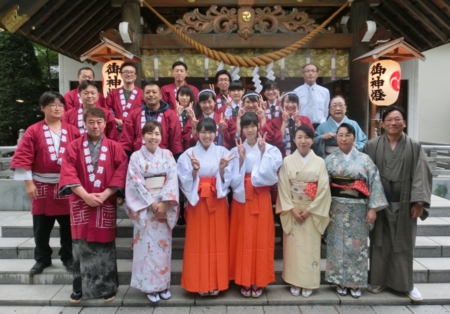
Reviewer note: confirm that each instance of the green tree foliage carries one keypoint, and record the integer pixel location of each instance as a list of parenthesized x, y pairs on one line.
[(48, 62), (20, 79)]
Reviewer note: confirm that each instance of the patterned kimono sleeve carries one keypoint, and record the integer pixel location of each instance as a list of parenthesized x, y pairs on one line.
[(377, 198), (284, 199), (137, 196), (169, 191), (320, 206)]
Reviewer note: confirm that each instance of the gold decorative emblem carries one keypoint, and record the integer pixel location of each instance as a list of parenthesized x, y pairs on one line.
[(12, 20), (246, 16)]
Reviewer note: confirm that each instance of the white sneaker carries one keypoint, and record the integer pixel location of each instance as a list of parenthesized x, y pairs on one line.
[(153, 297), (415, 295), (165, 295)]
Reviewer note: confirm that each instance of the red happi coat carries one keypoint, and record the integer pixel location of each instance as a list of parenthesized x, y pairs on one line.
[(186, 132), (73, 117), (169, 94), (228, 134), (131, 139), (95, 224), (37, 153), (273, 130), (121, 108), (277, 112), (72, 99)]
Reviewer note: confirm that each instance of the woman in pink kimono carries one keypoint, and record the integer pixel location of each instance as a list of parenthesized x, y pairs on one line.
[(152, 205)]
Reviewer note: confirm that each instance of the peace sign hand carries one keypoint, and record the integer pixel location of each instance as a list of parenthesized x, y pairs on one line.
[(285, 115), (262, 143), (222, 123), (260, 111), (224, 162), (262, 103), (211, 87), (297, 117), (194, 161), (240, 150), (179, 109)]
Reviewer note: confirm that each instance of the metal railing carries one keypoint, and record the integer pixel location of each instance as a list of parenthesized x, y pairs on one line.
[(4, 150), (438, 158)]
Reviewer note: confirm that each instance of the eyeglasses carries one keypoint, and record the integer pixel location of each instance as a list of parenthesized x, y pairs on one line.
[(128, 72), (53, 106), (341, 136), (309, 71), (339, 105), (223, 80), (390, 120)]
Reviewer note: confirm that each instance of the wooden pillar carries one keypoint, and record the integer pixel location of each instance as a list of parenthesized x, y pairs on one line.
[(359, 96), (131, 13)]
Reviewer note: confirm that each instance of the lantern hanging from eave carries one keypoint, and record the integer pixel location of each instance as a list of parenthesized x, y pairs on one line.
[(111, 78), (384, 82)]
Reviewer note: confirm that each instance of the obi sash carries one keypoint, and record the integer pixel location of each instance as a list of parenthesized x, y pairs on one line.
[(349, 188), (155, 184), (250, 191), (207, 190), (303, 191)]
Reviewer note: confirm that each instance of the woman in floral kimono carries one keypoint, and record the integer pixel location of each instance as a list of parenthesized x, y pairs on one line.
[(152, 205), (357, 196), (303, 204), (205, 173)]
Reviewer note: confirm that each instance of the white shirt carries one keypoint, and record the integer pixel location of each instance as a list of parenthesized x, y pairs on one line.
[(321, 102)]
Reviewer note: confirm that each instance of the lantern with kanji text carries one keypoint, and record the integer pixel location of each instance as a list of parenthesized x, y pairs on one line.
[(384, 82)]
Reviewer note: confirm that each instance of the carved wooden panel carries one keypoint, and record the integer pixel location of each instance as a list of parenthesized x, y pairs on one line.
[(225, 21)]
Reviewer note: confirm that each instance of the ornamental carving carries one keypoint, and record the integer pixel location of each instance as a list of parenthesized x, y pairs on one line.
[(225, 21)]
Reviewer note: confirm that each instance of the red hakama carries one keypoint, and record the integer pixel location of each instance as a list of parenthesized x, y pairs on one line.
[(72, 99), (205, 261), (252, 237)]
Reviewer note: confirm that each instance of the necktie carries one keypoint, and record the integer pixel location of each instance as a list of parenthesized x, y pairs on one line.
[(272, 111), (184, 116), (235, 111)]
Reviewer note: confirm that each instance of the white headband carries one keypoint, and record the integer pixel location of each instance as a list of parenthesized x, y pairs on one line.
[(206, 90), (288, 93), (250, 94)]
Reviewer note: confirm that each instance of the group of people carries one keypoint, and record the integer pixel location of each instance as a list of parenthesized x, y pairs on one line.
[(219, 161)]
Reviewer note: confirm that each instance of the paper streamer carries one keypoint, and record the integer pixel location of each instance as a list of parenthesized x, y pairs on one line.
[(256, 80), (308, 56), (234, 75), (269, 72), (282, 75), (181, 55), (220, 67), (155, 65), (333, 64)]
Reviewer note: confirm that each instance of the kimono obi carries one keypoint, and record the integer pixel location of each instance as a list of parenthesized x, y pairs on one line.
[(349, 188), (155, 184), (303, 191), (330, 149), (250, 190), (207, 190), (51, 178)]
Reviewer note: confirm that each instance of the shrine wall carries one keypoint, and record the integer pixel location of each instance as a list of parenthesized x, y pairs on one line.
[(68, 70), (433, 97)]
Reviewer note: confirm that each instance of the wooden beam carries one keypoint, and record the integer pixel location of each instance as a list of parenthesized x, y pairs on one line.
[(358, 71), (75, 29), (41, 14), (400, 15), (222, 41), (432, 9), (234, 3), (409, 36), (63, 13), (93, 29), (394, 32), (80, 14), (424, 20)]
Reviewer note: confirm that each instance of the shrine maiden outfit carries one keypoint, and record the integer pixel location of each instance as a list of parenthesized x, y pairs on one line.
[(205, 261), (303, 184), (355, 188), (151, 178), (38, 157), (252, 230), (96, 168), (131, 139)]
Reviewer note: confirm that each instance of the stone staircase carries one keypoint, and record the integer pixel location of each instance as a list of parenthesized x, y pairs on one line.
[(53, 287)]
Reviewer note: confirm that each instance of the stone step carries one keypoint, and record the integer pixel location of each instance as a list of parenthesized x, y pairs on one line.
[(23, 248), (22, 227), (57, 295), (16, 271)]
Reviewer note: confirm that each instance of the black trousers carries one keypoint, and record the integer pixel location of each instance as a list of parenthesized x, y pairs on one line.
[(42, 226)]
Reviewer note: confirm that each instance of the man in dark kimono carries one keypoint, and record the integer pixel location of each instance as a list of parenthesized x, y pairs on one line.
[(406, 179), (94, 169)]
